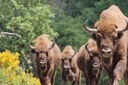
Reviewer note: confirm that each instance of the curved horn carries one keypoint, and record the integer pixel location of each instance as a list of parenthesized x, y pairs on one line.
[(51, 46), (86, 47), (74, 52), (124, 29), (32, 47), (89, 29)]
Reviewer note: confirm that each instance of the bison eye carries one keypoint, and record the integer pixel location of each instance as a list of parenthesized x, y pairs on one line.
[(114, 39), (98, 37), (62, 60), (46, 53), (70, 60)]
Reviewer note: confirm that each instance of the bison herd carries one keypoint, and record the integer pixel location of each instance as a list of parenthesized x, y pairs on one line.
[(107, 48)]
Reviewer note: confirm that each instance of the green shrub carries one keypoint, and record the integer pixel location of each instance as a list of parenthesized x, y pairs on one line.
[(11, 73)]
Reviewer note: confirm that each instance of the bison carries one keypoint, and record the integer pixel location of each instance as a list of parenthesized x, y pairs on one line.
[(47, 57), (111, 35), (89, 62), (69, 67)]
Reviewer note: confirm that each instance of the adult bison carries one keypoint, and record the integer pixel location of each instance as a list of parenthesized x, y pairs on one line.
[(69, 67), (89, 62), (47, 57), (111, 35)]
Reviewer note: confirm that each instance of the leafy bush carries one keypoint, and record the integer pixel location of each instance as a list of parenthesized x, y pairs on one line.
[(11, 73)]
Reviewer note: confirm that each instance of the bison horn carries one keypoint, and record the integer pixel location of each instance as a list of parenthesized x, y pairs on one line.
[(53, 44), (74, 52), (89, 29), (32, 47), (86, 47), (124, 29)]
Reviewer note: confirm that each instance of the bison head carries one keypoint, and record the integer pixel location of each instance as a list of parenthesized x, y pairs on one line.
[(67, 62), (106, 35), (94, 58), (42, 56)]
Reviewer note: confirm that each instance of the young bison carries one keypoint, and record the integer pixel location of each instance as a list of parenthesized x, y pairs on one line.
[(89, 62), (47, 57), (70, 70)]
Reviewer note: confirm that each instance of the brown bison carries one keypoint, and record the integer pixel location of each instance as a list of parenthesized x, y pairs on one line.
[(69, 67), (89, 62), (47, 57), (111, 35)]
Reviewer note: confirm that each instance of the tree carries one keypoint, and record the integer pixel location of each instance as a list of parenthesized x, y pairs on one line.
[(26, 18)]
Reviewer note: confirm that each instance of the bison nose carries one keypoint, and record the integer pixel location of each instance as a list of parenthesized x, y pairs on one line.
[(42, 62), (106, 50), (66, 67), (95, 65)]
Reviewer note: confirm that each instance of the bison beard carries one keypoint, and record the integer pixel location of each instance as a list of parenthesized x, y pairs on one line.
[(43, 65), (95, 70)]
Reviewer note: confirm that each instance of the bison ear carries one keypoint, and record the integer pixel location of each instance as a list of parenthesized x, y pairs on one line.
[(97, 37), (32, 51), (93, 35)]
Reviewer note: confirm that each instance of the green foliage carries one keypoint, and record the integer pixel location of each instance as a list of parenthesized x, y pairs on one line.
[(11, 73), (69, 32), (17, 77), (28, 20)]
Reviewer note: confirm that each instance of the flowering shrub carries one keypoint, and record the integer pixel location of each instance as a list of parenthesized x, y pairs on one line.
[(11, 73), (8, 59)]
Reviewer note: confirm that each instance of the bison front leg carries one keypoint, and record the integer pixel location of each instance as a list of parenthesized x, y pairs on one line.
[(64, 82), (74, 83), (48, 81), (50, 75), (119, 71), (43, 81), (64, 79), (116, 82), (53, 77), (79, 78), (74, 79)]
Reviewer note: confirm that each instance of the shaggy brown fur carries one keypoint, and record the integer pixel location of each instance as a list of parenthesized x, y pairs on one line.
[(47, 57), (113, 44), (70, 70), (89, 62)]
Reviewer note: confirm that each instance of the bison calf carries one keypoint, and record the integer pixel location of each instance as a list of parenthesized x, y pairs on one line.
[(89, 62), (47, 57), (70, 70)]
